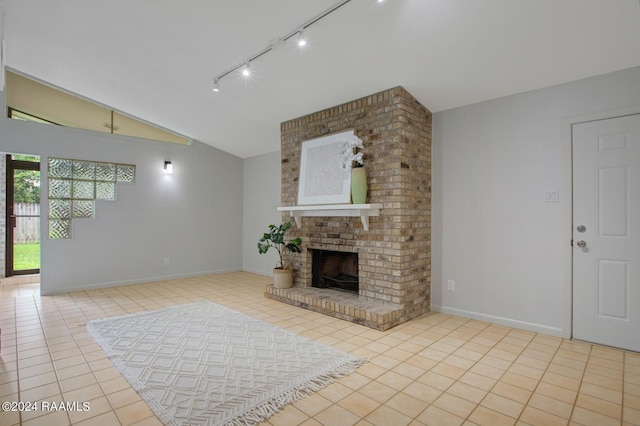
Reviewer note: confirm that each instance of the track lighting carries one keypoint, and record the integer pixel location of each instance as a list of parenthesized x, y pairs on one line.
[(297, 32)]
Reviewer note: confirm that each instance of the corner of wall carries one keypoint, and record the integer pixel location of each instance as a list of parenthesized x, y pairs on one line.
[(3, 213)]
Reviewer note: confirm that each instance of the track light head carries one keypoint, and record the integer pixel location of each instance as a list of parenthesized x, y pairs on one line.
[(298, 32), (301, 40)]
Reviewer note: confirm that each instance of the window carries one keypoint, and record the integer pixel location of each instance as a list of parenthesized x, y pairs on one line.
[(19, 115), (74, 187), (30, 100)]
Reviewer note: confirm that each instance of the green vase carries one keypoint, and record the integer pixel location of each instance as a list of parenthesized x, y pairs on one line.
[(359, 185)]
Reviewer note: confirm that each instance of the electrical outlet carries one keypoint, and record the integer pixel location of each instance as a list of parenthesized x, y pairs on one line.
[(451, 285), (167, 261)]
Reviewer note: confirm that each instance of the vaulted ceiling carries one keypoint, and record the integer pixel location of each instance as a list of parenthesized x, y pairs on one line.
[(156, 59)]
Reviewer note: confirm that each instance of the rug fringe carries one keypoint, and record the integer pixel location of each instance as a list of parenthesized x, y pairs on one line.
[(329, 370), (276, 404)]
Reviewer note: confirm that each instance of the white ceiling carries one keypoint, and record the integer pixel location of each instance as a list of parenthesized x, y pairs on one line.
[(156, 59)]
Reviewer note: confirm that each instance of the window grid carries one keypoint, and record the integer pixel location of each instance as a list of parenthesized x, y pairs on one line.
[(74, 185)]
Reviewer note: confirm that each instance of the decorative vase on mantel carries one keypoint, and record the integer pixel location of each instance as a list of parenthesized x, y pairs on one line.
[(359, 185)]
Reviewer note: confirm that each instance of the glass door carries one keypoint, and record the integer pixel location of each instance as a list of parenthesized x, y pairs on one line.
[(23, 215)]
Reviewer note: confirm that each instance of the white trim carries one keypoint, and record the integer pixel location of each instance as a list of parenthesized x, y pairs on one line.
[(567, 214), (364, 211), (268, 273), (507, 322), (95, 286)]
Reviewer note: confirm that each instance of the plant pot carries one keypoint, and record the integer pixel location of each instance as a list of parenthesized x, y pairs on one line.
[(283, 278), (359, 185)]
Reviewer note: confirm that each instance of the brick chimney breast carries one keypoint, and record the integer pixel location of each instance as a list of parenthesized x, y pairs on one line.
[(394, 255)]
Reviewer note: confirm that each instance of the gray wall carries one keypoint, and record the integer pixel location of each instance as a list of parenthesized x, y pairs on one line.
[(261, 197), (508, 251), (193, 217)]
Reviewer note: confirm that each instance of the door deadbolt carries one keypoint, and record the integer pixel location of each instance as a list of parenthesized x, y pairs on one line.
[(581, 228)]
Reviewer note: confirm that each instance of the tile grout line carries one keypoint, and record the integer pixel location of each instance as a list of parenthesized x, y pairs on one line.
[(15, 322), (448, 355), (497, 380), (84, 355), (624, 381), (530, 352), (467, 370), (46, 342), (573, 406), (624, 360), (380, 404), (540, 381)]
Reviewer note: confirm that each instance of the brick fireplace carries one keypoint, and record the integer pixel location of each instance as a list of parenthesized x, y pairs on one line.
[(335, 269), (393, 256)]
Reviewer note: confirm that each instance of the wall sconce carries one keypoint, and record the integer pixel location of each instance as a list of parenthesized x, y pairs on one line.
[(168, 167)]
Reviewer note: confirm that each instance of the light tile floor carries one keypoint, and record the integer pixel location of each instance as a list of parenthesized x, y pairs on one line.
[(434, 370)]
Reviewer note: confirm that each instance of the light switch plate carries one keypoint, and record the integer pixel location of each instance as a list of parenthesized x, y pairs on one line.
[(551, 196)]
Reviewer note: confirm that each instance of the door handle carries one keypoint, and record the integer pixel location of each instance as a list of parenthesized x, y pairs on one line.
[(581, 244)]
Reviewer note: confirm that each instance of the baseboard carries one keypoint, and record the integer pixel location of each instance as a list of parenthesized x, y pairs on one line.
[(508, 322), (268, 273), (137, 281)]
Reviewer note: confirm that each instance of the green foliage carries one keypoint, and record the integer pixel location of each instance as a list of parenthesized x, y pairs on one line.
[(22, 157), (276, 238), (26, 186)]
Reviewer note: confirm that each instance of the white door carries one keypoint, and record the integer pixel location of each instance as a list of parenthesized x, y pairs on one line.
[(606, 232)]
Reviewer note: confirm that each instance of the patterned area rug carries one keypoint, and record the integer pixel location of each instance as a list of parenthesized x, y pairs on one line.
[(202, 363)]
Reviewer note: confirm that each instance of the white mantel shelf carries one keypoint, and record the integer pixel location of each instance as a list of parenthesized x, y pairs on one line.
[(342, 210)]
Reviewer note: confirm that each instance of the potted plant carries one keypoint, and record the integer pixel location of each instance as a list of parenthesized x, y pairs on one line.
[(282, 274)]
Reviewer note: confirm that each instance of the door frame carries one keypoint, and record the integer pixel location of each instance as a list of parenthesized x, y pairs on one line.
[(10, 166), (567, 211)]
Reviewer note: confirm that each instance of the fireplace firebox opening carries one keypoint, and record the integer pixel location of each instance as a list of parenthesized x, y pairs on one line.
[(335, 269)]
